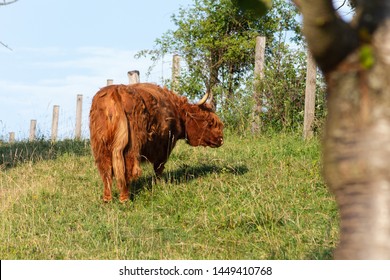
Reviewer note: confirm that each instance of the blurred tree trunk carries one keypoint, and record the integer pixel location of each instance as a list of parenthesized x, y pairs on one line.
[(355, 58)]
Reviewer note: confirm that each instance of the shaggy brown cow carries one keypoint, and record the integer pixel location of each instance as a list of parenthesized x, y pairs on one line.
[(131, 123)]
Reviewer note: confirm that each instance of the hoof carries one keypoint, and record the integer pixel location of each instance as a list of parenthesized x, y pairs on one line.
[(123, 200), (124, 197), (107, 199)]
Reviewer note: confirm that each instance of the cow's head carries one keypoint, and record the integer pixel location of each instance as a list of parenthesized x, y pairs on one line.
[(203, 127)]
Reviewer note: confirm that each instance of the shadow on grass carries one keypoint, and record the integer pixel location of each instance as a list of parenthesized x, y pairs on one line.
[(184, 174), (22, 152), (17, 153)]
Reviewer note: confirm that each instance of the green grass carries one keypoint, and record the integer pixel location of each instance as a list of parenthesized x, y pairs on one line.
[(253, 198)]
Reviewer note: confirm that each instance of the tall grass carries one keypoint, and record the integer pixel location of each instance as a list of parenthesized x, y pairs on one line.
[(253, 198), (13, 154)]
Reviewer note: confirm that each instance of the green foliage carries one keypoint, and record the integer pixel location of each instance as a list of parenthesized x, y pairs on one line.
[(258, 7), (236, 113), (217, 41), (252, 198), (366, 55), (282, 92), (283, 89)]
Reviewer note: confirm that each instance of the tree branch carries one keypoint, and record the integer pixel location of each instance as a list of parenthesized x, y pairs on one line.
[(330, 39), (342, 5), (6, 46), (374, 12), (3, 4), (7, 3)]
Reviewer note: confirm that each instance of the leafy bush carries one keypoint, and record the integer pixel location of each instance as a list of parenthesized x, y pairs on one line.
[(283, 91)]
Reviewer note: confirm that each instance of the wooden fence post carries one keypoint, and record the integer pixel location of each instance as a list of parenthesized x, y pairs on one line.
[(79, 108), (110, 82), (12, 137), (133, 77), (33, 128), (259, 76), (310, 97), (54, 125), (175, 72)]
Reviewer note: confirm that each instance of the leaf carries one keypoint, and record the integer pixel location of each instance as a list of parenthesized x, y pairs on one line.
[(259, 7), (366, 56)]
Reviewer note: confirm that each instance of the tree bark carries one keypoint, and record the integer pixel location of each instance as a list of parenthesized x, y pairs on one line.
[(356, 153), (213, 76), (356, 145)]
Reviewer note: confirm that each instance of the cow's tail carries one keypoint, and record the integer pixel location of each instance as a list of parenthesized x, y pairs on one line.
[(121, 139), (112, 133)]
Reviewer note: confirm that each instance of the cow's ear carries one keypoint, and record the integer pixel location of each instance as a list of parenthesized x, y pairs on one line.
[(212, 105)]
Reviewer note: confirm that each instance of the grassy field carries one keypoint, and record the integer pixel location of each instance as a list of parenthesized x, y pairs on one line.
[(253, 198)]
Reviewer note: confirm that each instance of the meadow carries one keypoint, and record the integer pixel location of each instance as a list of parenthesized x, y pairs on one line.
[(256, 197)]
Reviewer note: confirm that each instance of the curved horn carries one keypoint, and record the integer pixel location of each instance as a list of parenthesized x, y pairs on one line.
[(204, 98)]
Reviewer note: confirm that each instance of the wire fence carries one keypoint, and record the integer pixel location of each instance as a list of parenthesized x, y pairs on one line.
[(73, 123)]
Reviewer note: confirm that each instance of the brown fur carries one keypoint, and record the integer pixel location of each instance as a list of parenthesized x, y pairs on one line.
[(132, 123)]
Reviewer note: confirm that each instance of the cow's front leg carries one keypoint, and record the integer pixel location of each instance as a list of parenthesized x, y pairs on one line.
[(133, 171), (133, 168)]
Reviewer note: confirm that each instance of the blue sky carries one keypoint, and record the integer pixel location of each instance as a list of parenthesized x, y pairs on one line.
[(64, 48)]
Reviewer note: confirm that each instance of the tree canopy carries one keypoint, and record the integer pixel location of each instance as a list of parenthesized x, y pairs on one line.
[(216, 39)]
